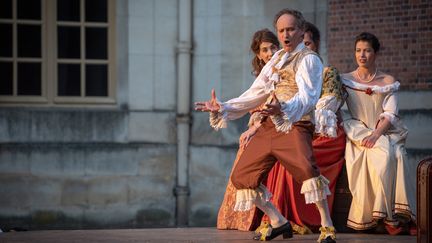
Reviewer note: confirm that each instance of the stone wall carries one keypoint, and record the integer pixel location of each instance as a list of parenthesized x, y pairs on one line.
[(89, 166), (76, 169)]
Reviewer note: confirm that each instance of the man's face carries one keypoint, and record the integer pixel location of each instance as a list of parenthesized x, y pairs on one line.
[(289, 34), (308, 41)]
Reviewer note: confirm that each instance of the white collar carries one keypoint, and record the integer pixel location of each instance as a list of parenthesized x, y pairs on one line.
[(267, 71), (375, 88), (298, 48), (285, 56)]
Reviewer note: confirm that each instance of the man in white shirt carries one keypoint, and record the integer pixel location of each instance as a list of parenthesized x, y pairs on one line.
[(290, 85)]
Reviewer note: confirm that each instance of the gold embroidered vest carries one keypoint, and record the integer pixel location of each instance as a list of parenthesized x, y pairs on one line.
[(286, 88)]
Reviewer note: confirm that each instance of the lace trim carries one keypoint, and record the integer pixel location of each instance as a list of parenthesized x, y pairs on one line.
[(281, 57), (217, 120), (391, 117), (269, 85), (278, 59), (245, 198), (325, 123), (254, 118), (315, 189), (374, 88), (282, 123)]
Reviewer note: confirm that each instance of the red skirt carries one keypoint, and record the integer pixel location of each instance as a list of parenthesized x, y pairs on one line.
[(329, 154)]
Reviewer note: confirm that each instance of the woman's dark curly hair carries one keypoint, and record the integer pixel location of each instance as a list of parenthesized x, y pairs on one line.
[(264, 35), (370, 38)]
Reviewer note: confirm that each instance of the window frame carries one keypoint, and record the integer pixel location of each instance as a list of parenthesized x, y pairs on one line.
[(49, 60)]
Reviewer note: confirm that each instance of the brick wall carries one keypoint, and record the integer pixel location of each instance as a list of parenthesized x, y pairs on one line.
[(404, 28)]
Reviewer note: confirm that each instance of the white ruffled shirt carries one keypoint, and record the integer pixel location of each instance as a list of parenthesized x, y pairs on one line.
[(309, 82)]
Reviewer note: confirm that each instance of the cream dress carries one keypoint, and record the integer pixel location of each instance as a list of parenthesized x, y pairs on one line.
[(381, 180)]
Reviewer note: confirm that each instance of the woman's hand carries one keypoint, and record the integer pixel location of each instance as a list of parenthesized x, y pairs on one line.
[(382, 126), (210, 105), (246, 137), (370, 140)]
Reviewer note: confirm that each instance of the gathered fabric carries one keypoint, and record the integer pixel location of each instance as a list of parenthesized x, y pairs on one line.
[(315, 189), (245, 198)]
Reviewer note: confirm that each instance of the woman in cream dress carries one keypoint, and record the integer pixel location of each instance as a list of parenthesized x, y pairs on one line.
[(381, 180)]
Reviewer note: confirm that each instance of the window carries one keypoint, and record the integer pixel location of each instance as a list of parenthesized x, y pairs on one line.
[(57, 52)]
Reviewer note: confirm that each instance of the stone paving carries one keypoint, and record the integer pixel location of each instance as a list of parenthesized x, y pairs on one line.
[(186, 235)]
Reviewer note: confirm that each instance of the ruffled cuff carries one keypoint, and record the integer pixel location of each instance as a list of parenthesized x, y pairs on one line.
[(325, 123), (217, 120), (390, 116), (245, 198), (315, 189), (281, 121)]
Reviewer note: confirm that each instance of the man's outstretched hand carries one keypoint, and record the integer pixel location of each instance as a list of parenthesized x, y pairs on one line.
[(210, 105)]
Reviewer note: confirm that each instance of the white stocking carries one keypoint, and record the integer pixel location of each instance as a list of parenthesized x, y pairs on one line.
[(276, 218), (324, 211)]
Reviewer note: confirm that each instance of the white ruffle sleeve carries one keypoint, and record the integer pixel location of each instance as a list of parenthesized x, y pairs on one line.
[(325, 116)]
